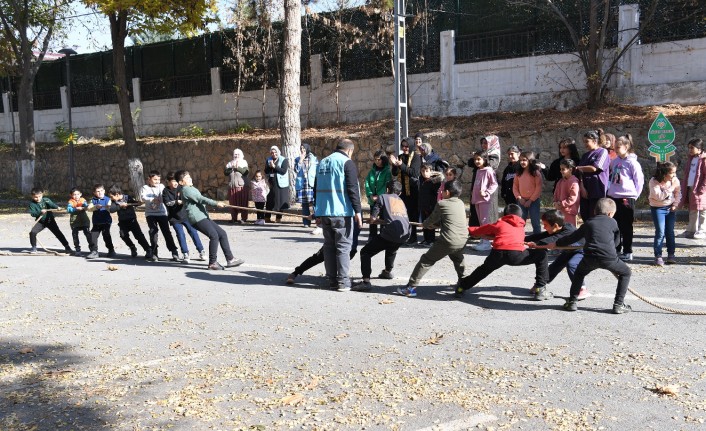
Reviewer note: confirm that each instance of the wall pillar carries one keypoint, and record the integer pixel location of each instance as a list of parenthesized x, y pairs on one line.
[(64, 103), (137, 103), (315, 71), (628, 26), (447, 60), (7, 115), (217, 103)]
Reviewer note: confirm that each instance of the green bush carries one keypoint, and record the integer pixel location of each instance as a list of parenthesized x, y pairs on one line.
[(192, 131)]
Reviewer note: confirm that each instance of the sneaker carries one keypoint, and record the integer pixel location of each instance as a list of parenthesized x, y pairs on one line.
[(234, 262), (671, 260), (215, 266), (659, 261), (571, 304), (149, 255), (534, 289), (408, 291), (363, 286), (459, 291), (412, 241), (239, 221), (317, 231), (202, 255), (68, 250), (484, 245), (111, 253), (260, 222), (583, 294), (626, 257), (92, 255), (543, 294), (175, 256), (621, 308), (133, 251), (152, 257), (343, 288), (700, 235), (386, 275), (33, 250), (186, 258), (291, 277), (76, 253)]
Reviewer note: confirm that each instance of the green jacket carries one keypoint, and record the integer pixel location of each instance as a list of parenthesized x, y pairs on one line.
[(450, 215), (376, 182), (35, 209), (195, 204)]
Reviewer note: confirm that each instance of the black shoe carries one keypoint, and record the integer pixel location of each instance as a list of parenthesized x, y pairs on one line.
[(175, 256), (543, 294), (68, 250), (291, 277), (621, 308), (133, 251), (111, 253), (459, 291), (363, 286), (571, 304), (77, 252), (386, 275), (215, 266)]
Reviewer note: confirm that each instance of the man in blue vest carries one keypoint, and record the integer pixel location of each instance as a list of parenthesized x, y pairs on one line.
[(337, 207)]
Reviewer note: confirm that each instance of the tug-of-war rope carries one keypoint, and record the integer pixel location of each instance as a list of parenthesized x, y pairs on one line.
[(630, 289)]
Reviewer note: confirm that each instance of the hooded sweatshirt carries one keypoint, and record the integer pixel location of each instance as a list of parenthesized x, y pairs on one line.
[(626, 178), (509, 233)]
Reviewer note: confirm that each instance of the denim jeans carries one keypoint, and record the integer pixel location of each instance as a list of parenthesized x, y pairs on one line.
[(306, 211), (664, 220), (533, 213), (181, 236)]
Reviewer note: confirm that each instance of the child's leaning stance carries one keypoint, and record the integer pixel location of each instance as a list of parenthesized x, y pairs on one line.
[(40, 208), (101, 219), (601, 233), (78, 220), (156, 214), (127, 220), (177, 217)]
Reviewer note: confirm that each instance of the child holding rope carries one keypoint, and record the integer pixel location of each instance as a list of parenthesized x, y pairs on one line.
[(40, 208), (125, 205), (78, 220), (101, 220)]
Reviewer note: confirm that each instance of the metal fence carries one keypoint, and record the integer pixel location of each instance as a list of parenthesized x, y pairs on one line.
[(499, 45)]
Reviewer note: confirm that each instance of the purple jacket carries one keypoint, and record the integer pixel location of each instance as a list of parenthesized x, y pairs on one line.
[(596, 184), (626, 178)]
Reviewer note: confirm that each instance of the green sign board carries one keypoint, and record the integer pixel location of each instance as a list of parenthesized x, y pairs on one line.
[(661, 136)]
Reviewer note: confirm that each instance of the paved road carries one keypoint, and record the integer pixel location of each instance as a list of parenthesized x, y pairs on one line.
[(173, 346)]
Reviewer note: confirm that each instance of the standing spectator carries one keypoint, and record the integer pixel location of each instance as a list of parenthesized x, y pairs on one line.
[(626, 181), (491, 145), (238, 186), (607, 141), (527, 188), (483, 189), (665, 193), (566, 193), (592, 171), (305, 169), (430, 157), (259, 190), (276, 169), (428, 188), (337, 196), (508, 178), (567, 151), (406, 168), (694, 198), (376, 183)]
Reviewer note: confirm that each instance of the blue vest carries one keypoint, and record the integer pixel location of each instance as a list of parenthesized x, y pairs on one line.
[(331, 197), (282, 180)]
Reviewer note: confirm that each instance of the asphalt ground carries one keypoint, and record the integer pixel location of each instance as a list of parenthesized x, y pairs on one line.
[(126, 344)]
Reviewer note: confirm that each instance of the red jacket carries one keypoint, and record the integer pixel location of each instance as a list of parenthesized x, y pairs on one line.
[(509, 233)]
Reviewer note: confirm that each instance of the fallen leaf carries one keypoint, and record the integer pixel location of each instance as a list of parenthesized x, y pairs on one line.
[(340, 337), (57, 373), (25, 350), (112, 268), (313, 384), (386, 301), (293, 400), (672, 390), (175, 345), (434, 340)]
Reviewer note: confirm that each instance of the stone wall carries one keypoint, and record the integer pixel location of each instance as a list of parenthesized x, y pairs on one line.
[(206, 158)]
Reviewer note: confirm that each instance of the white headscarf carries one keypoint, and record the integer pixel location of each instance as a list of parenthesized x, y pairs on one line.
[(238, 162), (493, 144)]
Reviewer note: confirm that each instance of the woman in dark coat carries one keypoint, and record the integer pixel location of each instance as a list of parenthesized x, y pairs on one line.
[(276, 171), (406, 168)]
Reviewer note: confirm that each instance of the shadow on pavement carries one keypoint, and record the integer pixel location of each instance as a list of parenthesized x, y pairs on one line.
[(33, 390)]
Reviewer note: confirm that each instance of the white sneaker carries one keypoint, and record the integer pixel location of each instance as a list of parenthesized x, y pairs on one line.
[(203, 255), (317, 231), (186, 258), (700, 235)]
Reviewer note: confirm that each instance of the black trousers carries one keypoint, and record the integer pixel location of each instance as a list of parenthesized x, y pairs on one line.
[(74, 233), (411, 202), (374, 246), (499, 258), (216, 235), (52, 226), (625, 217), (155, 224), (260, 206), (132, 226), (316, 259), (617, 267), (96, 231)]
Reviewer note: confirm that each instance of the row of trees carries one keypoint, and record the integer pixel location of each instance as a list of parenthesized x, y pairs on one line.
[(28, 26)]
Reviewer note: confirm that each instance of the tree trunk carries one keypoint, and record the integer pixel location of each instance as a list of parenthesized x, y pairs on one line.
[(25, 114), (118, 32), (290, 98)]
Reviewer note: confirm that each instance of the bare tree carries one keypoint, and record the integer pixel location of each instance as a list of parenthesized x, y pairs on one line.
[(290, 97)]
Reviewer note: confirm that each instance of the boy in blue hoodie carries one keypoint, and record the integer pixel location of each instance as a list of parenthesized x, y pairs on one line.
[(100, 205)]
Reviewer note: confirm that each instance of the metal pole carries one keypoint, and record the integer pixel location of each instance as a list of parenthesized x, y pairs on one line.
[(400, 54), (72, 181)]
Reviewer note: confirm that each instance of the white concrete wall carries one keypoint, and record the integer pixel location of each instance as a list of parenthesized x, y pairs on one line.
[(659, 73)]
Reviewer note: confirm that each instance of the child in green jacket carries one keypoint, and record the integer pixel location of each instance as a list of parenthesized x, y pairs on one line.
[(39, 208)]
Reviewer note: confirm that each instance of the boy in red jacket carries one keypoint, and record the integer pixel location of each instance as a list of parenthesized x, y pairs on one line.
[(508, 249)]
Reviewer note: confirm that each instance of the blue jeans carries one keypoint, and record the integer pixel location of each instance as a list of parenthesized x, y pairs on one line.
[(664, 220), (306, 211), (181, 236), (533, 213)]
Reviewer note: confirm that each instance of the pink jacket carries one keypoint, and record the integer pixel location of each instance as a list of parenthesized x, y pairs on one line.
[(664, 195), (486, 183), (695, 199), (566, 194), (527, 186)]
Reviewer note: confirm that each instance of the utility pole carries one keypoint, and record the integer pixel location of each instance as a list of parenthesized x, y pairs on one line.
[(400, 50)]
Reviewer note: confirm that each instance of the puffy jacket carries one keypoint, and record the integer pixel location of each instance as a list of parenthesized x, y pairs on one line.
[(509, 233)]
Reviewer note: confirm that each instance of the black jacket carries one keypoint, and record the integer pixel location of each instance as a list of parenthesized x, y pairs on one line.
[(124, 214), (601, 234), (175, 211), (391, 209)]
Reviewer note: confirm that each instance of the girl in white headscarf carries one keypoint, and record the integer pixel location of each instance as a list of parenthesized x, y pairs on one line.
[(238, 185)]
